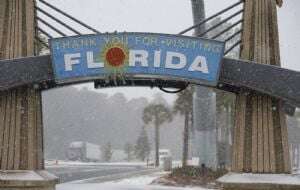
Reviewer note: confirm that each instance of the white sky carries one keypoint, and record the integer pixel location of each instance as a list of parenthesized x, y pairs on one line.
[(170, 16)]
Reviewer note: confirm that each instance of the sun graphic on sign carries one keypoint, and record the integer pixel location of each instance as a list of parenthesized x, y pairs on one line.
[(115, 57)]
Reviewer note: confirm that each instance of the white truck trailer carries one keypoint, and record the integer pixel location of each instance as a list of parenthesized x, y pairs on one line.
[(84, 151)]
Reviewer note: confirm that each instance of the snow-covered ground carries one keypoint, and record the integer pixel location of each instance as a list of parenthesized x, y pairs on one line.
[(140, 180), (63, 163), (121, 187), (250, 178), (134, 183)]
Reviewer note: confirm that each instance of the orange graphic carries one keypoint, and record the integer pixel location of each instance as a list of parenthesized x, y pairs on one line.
[(115, 56)]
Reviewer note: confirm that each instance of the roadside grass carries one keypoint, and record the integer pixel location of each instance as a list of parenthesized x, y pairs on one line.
[(192, 176)]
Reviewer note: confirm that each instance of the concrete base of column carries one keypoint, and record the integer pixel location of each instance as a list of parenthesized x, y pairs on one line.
[(249, 181), (26, 179)]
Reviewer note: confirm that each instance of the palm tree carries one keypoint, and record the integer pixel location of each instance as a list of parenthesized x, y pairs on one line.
[(157, 114), (184, 106)]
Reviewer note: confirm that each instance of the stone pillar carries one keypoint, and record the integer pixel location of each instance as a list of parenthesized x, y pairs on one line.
[(21, 132), (260, 137)]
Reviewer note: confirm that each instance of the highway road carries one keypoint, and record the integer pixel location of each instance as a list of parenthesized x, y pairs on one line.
[(79, 172)]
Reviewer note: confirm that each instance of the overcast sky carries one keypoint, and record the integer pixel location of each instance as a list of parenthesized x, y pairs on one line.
[(170, 16)]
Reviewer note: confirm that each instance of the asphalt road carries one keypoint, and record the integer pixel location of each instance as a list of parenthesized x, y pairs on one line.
[(72, 173)]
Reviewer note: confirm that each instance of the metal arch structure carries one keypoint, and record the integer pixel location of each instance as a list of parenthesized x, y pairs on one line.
[(34, 74), (235, 75)]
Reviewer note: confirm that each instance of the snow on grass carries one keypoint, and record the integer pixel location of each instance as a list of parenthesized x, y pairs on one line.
[(63, 163), (59, 163), (133, 183), (140, 180)]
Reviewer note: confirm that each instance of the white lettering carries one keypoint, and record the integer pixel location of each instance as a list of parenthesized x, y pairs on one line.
[(157, 59), (90, 61), (138, 56), (70, 60), (173, 60), (170, 59), (199, 64)]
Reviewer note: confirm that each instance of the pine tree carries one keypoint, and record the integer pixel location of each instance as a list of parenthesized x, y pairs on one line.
[(142, 147), (129, 150), (107, 152)]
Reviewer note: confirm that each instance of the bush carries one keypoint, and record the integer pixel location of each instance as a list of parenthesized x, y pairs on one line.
[(197, 172)]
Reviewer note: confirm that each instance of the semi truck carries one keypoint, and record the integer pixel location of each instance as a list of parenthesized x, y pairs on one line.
[(84, 151)]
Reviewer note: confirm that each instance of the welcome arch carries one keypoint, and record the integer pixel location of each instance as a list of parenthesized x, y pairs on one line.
[(22, 80)]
